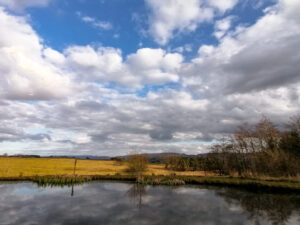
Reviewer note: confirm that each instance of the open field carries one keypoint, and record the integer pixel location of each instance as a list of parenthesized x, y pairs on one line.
[(16, 167), (60, 171)]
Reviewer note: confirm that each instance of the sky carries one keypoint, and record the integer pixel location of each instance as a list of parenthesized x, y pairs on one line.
[(112, 77)]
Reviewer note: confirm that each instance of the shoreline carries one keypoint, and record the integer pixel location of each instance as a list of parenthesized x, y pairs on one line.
[(174, 180)]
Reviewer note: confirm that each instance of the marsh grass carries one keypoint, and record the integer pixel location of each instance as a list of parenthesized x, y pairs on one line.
[(161, 180), (60, 180), (56, 172), (249, 184)]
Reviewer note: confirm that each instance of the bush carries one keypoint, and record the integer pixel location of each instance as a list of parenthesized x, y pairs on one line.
[(137, 164)]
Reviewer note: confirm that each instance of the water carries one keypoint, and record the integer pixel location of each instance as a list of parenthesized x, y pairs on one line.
[(127, 203)]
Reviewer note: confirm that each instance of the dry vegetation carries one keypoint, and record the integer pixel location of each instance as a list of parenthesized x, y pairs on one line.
[(260, 151), (16, 167), (58, 171)]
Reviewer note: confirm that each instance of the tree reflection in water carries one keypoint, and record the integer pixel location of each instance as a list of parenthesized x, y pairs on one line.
[(277, 208), (136, 193), (72, 191)]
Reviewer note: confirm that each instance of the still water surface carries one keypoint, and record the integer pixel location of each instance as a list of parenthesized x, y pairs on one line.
[(126, 203)]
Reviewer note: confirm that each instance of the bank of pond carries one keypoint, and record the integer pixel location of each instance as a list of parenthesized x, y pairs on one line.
[(273, 185)]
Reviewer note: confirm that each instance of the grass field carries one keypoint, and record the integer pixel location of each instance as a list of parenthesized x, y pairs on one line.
[(16, 167), (60, 171)]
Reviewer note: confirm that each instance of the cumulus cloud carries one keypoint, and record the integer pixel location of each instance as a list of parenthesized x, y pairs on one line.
[(252, 71), (25, 73), (155, 65), (53, 56), (22, 4), (32, 71), (102, 121), (171, 15), (146, 66), (102, 63), (175, 16), (261, 56)]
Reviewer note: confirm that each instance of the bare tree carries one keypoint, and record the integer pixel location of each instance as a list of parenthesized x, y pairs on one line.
[(267, 134), (290, 140), (137, 164)]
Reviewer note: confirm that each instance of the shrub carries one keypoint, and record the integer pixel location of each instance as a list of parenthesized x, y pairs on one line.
[(137, 164)]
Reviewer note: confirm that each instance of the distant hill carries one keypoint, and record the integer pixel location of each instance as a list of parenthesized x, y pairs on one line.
[(94, 157), (152, 157), (159, 157), (64, 156), (25, 156)]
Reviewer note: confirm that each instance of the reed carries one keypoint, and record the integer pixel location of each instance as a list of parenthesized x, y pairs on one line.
[(161, 180), (60, 180)]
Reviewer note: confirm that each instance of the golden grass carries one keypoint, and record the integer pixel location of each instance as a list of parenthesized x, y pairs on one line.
[(50, 170), (16, 167)]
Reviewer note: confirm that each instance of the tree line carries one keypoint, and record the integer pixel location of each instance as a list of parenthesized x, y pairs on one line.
[(259, 150)]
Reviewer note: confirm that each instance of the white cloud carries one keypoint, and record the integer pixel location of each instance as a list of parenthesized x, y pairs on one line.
[(184, 48), (176, 15), (155, 65), (146, 66), (104, 25), (101, 63), (54, 56), (169, 17), (22, 4), (222, 26), (253, 71), (25, 73), (205, 50), (89, 124), (32, 71), (223, 5), (258, 57)]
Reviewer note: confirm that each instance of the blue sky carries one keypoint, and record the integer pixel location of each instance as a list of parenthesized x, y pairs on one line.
[(60, 25), (111, 77)]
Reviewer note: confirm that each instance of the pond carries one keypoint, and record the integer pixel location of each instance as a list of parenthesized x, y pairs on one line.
[(127, 203)]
